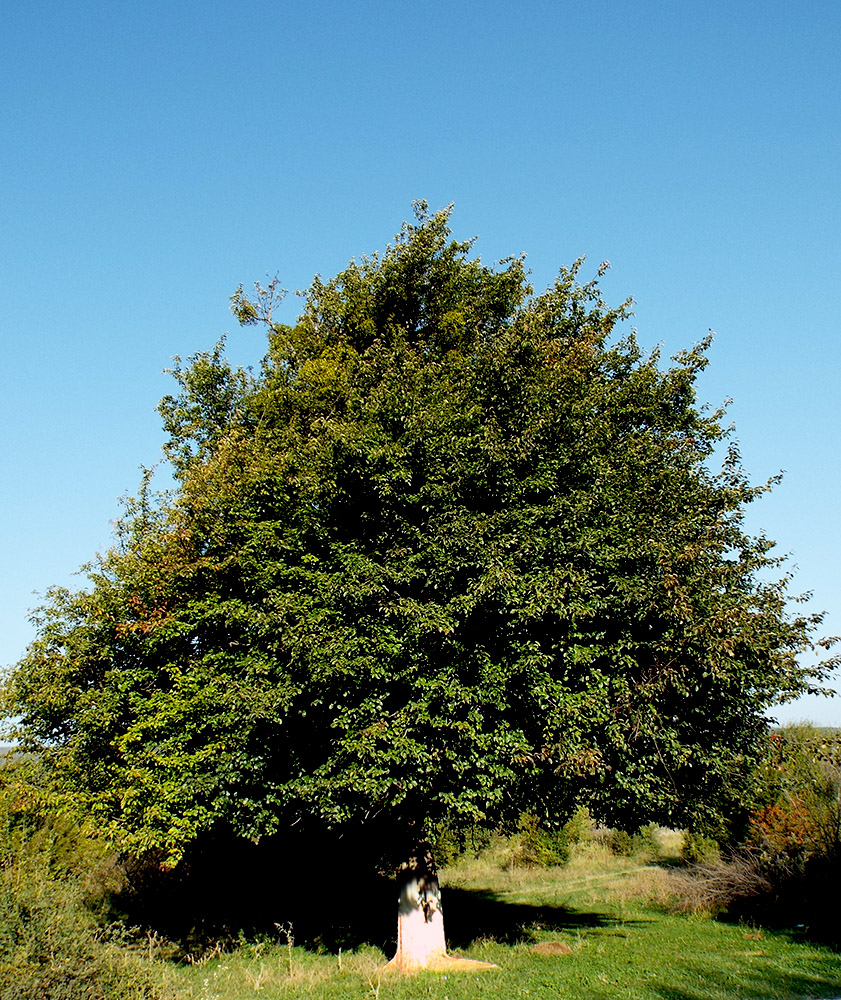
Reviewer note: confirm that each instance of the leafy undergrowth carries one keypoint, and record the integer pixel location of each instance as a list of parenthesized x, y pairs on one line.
[(611, 912)]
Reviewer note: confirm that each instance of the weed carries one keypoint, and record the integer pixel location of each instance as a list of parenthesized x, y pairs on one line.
[(203, 958), (208, 992), (374, 987), (258, 980), (286, 930)]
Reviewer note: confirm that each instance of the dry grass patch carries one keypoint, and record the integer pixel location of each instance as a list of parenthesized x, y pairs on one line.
[(715, 887)]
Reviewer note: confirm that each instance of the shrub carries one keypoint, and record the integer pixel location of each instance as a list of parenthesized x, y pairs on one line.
[(645, 844), (51, 946), (722, 885), (537, 847), (451, 843), (799, 813), (788, 870), (620, 842), (698, 849), (579, 828)]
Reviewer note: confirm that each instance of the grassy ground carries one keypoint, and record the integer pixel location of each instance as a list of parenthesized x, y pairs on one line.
[(608, 911)]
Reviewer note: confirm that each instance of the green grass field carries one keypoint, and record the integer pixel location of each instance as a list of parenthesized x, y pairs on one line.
[(610, 913)]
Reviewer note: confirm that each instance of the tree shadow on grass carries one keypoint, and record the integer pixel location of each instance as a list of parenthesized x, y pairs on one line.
[(231, 890), (759, 984), (472, 915)]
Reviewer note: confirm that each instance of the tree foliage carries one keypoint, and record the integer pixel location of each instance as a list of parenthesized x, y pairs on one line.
[(457, 551)]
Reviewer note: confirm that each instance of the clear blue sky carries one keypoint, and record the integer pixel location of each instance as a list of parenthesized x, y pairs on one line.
[(155, 155)]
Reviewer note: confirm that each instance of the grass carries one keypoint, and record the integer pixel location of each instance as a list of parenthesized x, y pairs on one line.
[(609, 911)]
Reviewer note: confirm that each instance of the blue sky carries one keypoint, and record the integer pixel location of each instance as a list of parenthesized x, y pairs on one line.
[(156, 155)]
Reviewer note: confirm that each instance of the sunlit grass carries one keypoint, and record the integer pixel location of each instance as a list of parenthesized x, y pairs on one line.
[(611, 914)]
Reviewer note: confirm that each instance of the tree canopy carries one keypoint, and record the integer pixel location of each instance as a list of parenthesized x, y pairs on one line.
[(456, 551)]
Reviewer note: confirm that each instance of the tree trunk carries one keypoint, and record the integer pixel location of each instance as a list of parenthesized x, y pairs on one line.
[(420, 922)]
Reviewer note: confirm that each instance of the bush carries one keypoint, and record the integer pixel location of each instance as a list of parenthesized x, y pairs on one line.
[(451, 843), (51, 946), (620, 842), (799, 813), (788, 871), (536, 847), (579, 828), (645, 844), (721, 886), (699, 849)]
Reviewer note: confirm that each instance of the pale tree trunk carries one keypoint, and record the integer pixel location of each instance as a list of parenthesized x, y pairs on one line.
[(420, 922)]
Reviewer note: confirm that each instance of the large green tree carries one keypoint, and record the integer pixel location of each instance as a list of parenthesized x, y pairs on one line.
[(456, 551)]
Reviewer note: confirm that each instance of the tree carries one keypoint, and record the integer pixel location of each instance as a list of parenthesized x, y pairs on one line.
[(455, 552)]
